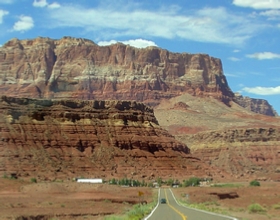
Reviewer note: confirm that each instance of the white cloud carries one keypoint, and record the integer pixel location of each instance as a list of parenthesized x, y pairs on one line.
[(106, 43), (139, 43), (6, 1), (44, 3), (262, 90), (236, 51), (235, 59), (264, 56), (40, 3), (258, 4), (271, 13), (25, 23), (54, 5), (2, 14), (232, 75), (215, 25)]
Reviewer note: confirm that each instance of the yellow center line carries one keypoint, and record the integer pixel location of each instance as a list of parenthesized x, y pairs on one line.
[(182, 215)]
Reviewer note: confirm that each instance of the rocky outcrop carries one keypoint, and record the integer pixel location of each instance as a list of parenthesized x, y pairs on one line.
[(244, 153), (260, 106), (239, 135), (78, 68), (70, 138)]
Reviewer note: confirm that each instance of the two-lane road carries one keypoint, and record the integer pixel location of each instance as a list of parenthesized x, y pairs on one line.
[(173, 211)]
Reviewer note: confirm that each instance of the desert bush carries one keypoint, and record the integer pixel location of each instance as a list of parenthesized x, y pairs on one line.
[(276, 206), (11, 177), (227, 185), (107, 200), (255, 183), (169, 182), (33, 180), (113, 181), (138, 211), (256, 208), (159, 181), (207, 206), (193, 181)]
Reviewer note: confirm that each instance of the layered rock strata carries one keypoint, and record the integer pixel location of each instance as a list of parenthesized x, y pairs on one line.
[(78, 68), (244, 153), (255, 105), (71, 138)]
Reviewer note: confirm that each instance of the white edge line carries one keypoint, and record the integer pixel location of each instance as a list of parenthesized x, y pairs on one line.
[(212, 213), (152, 212)]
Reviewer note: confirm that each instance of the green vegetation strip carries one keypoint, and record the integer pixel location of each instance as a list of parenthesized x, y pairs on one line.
[(138, 211), (256, 208), (206, 206), (228, 185)]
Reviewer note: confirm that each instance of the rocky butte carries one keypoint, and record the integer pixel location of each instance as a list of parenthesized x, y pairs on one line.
[(51, 92), (53, 139), (78, 68)]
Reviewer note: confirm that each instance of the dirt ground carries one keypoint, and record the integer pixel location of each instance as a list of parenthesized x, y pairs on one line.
[(66, 200), (235, 199), (71, 200)]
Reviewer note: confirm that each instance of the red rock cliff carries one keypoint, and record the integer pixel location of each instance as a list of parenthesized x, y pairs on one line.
[(68, 138), (78, 68), (244, 153), (255, 105)]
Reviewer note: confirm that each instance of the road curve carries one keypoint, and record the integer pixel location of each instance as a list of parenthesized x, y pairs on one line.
[(173, 211)]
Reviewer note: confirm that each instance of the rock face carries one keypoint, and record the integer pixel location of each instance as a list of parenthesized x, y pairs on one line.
[(78, 68), (255, 105), (67, 132), (70, 138), (244, 153)]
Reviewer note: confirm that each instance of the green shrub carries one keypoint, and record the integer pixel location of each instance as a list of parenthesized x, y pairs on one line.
[(276, 206), (227, 185), (33, 180), (193, 181), (169, 182), (256, 208), (255, 183), (11, 177), (137, 212), (159, 181)]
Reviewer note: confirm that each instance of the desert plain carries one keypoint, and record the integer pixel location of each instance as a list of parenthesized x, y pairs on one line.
[(22, 199)]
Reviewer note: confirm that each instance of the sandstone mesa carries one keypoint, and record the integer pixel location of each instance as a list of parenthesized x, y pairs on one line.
[(53, 124), (78, 68)]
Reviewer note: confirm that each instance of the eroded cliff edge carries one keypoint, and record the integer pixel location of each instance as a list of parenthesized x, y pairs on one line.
[(78, 68), (245, 153), (70, 138), (255, 105)]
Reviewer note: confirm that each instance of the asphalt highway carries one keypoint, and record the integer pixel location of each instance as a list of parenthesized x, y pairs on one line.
[(171, 210)]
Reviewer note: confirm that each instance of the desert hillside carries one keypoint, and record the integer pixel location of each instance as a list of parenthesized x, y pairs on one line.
[(70, 107), (79, 68)]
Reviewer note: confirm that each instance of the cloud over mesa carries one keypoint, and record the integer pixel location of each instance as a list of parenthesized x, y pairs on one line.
[(25, 23), (264, 56), (262, 90), (258, 4), (44, 3), (2, 14), (139, 43), (234, 59), (214, 25)]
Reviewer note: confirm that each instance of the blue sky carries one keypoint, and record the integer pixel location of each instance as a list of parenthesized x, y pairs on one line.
[(244, 34)]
